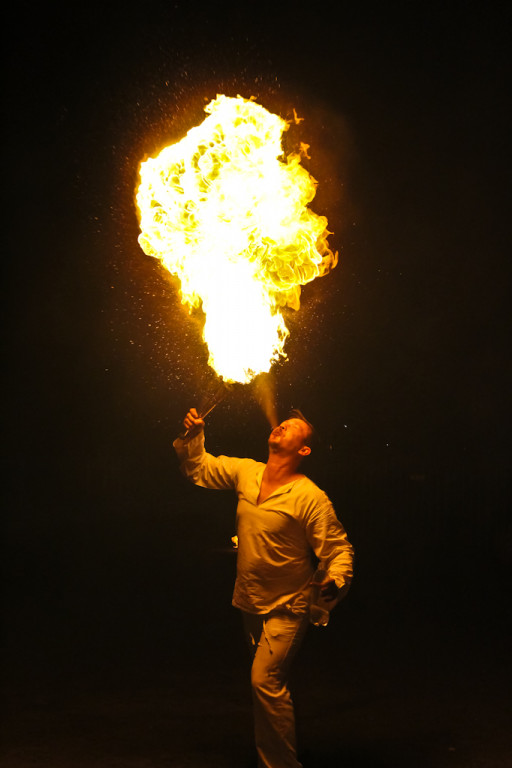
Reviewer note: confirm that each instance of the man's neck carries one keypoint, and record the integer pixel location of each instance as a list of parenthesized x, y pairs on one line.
[(281, 468)]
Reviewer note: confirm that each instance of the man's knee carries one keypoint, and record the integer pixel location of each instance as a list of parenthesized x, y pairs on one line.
[(265, 679)]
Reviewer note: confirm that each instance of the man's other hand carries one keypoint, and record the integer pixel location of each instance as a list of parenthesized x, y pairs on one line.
[(327, 589)]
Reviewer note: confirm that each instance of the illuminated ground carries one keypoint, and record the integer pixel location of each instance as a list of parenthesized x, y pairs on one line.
[(420, 693)]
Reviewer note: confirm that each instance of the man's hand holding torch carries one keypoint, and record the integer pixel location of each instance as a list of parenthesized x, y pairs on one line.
[(193, 423)]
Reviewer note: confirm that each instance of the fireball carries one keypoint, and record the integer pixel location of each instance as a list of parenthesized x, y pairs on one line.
[(226, 211)]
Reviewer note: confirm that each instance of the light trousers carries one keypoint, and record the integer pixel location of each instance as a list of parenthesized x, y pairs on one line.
[(274, 639)]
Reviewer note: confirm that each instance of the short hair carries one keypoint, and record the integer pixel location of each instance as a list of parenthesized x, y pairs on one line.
[(312, 437)]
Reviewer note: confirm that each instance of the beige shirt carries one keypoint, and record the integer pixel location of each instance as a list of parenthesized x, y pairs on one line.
[(275, 537)]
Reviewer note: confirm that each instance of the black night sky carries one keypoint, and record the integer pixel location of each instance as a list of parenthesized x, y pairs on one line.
[(120, 644)]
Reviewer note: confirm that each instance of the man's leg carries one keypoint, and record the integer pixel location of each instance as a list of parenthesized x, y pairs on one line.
[(274, 639)]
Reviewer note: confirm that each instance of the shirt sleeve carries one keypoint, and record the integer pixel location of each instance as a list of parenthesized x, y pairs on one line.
[(329, 541), (201, 468)]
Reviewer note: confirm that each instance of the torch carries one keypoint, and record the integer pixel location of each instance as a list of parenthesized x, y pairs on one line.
[(225, 210), (208, 403)]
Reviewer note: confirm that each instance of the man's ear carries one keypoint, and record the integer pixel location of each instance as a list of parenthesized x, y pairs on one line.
[(305, 450)]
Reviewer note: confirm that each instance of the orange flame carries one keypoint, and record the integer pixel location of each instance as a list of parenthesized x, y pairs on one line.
[(226, 212)]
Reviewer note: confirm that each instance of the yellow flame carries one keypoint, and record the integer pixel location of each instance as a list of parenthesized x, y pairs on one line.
[(226, 212)]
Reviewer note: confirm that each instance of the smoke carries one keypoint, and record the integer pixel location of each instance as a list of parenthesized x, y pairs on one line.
[(265, 395)]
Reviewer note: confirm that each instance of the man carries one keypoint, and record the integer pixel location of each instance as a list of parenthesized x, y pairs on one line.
[(282, 519)]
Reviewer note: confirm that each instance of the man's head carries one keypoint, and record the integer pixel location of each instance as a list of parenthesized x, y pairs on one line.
[(292, 437)]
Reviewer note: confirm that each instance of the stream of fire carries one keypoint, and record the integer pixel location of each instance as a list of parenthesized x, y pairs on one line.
[(226, 211)]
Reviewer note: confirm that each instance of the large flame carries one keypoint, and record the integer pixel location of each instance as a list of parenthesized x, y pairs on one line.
[(226, 211)]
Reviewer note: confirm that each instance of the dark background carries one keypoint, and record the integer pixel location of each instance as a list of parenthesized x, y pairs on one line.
[(117, 575)]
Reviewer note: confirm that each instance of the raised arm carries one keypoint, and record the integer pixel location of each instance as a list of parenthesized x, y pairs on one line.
[(201, 468)]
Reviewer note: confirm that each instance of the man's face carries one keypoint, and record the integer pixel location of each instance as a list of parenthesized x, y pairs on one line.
[(290, 437)]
